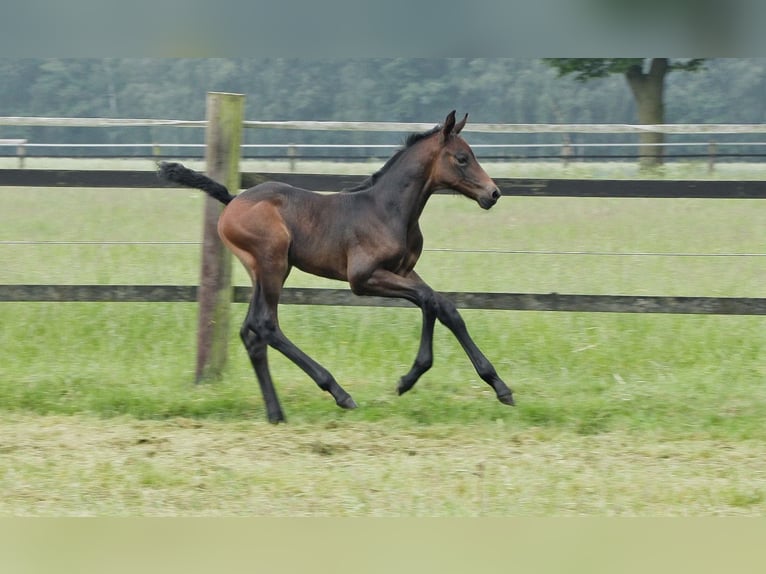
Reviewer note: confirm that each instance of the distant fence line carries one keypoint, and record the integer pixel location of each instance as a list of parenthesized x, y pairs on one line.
[(291, 151), (296, 151), (395, 126)]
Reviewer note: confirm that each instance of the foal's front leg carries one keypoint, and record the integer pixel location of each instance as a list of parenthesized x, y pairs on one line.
[(434, 306), (448, 315), (425, 357)]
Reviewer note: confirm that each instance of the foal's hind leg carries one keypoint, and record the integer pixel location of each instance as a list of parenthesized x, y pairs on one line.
[(260, 330), (257, 351), (257, 235), (271, 278), (321, 376)]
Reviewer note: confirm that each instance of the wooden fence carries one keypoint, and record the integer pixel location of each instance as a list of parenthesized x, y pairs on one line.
[(308, 296), (223, 135)]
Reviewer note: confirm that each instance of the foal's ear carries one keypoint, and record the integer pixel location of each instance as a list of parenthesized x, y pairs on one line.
[(449, 125), (461, 124)]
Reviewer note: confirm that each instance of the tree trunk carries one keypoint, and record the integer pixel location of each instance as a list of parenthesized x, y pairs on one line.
[(648, 88)]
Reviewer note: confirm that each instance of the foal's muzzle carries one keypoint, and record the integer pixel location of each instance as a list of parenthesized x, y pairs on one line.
[(488, 201)]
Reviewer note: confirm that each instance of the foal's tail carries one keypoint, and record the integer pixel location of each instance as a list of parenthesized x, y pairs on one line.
[(190, 178)]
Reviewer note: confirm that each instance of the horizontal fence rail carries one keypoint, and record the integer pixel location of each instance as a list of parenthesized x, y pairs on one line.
[(501, 128), (155, 148), (568, 150), (712, 151), (344, 297), (711, 189)]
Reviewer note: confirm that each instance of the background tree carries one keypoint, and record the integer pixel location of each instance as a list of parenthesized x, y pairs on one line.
[(646, 79)]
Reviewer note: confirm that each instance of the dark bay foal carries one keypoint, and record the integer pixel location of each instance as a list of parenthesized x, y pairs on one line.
[(368, 236)]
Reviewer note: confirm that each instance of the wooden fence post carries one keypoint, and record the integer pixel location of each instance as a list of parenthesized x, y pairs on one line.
[(21, 152), (223, 136)]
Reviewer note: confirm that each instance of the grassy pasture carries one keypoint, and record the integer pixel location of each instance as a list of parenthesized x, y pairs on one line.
[(616, 415)]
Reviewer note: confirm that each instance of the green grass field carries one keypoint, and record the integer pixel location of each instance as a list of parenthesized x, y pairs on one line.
[(617, 414)]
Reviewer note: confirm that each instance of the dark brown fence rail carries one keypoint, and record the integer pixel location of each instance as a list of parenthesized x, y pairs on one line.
[(344, 297), (710, 189)]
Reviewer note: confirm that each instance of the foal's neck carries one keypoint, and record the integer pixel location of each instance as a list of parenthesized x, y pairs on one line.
[(405, 188)]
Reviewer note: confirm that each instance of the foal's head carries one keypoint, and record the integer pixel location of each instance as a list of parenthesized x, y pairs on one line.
[(456, 167)]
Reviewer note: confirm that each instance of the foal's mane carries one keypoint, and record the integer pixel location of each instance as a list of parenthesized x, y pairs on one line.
[(411, 140)]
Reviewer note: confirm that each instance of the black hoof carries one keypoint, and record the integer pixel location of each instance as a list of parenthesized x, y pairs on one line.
[(276, 419), (347, 403), (507, 399), (402, 388)]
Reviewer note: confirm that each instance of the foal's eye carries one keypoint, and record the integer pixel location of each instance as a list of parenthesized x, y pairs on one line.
[(461, 159)]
